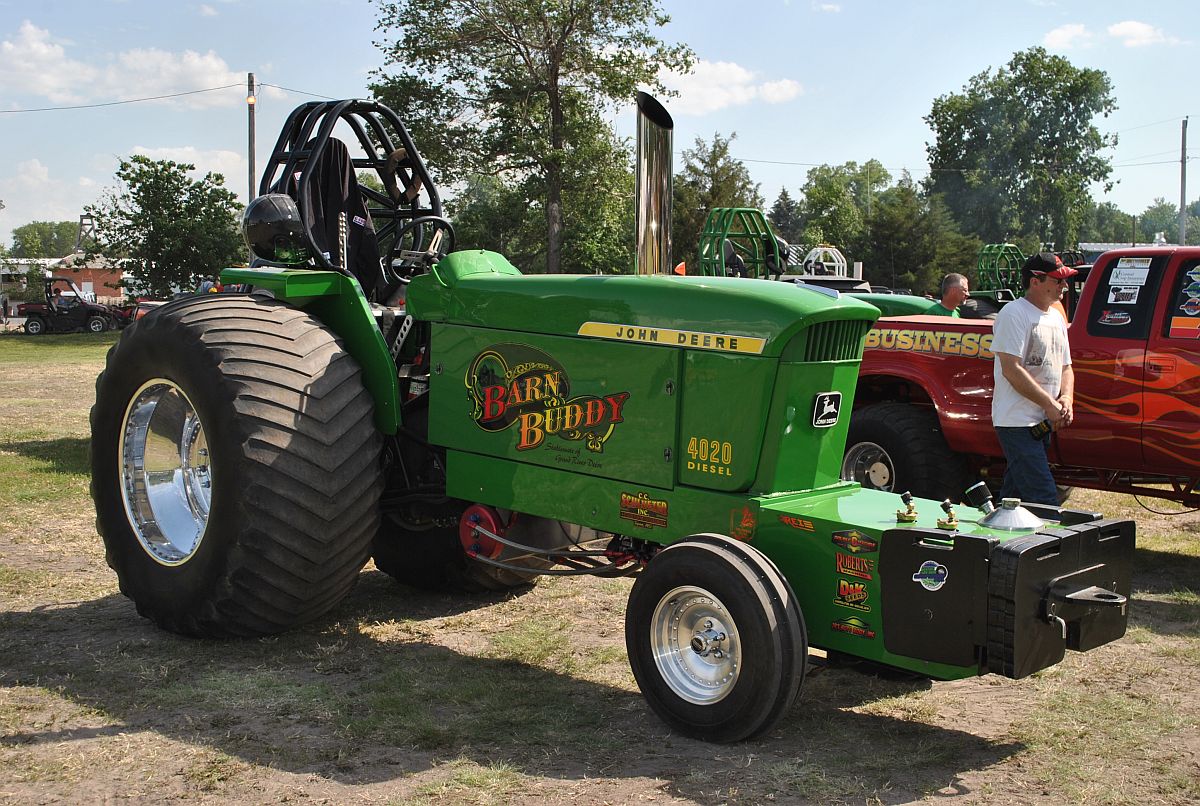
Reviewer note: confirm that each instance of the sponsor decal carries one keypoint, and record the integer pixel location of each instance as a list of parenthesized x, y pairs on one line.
[(515, 385), (826, 409), (666, 337), (1123, 295), (742, 524), (932, 575), (855, 566), (797, 523), (1137, 266), (969, 345), (359, 220), (1193, 289), (1191, 307), (1117, 318), (853, 625), (643, 510), (855, 541), (853, 595), (1194, 273)]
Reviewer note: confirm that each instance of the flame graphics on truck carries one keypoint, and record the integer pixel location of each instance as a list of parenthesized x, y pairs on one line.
[(515, 385)]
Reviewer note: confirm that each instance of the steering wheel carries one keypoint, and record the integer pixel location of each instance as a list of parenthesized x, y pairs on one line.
[(427, 250)]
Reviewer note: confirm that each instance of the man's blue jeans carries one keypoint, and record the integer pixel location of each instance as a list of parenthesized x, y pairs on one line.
[(1028, 474)]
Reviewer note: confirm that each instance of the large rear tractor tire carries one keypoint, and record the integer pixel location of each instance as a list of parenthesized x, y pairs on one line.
[(716, 639), (897, 447), (235, 466)]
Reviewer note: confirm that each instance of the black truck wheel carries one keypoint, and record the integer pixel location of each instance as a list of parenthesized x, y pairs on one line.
[(97, 324), (715, 639), (898, 447), (235, 466), (35, 325)]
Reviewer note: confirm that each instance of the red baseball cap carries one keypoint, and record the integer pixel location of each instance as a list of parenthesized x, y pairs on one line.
[(1048, 264)]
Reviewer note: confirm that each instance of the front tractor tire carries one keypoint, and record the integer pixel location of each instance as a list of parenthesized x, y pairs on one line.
[(235, 466), (715, 639), (896, 447)]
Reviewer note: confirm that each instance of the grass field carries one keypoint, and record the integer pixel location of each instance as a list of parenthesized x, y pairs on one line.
[(404, 697)]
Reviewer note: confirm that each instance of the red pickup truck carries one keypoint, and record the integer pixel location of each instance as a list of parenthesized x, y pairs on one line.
[(922, 413)]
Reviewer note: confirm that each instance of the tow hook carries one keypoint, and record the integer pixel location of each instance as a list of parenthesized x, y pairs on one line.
[(1062, 604)]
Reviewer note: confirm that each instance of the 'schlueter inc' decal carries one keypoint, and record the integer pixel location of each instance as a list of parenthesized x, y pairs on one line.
[(517, 385), (643, 510)]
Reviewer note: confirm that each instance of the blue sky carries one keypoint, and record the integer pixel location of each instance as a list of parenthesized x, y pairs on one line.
[(800, 82)]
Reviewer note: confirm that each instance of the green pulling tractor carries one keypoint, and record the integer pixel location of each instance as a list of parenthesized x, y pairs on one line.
[(378, 394)]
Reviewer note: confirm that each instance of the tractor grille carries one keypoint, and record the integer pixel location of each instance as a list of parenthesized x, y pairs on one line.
[(836, 341)]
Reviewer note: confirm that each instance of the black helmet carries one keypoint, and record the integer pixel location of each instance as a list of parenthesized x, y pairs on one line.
[(274, 231)]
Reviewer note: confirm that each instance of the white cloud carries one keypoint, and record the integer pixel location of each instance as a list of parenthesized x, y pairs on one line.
[(713, 86), (229, 164), (35, 64), (1139, 34), (1065, 37), (32, 193), (827, 8), (207, 11)]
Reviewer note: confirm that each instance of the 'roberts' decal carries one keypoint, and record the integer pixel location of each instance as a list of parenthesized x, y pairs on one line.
[(855, 566)]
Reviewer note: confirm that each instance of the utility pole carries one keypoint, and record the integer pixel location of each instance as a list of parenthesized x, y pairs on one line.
[(250, 110), (1183, 215)]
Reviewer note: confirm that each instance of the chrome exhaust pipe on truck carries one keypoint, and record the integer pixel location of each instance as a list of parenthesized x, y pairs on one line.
[(653, 180)]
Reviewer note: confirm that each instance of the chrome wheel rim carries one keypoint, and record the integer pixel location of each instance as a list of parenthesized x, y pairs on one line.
[(695, 645), (869, 464), (166, 480)]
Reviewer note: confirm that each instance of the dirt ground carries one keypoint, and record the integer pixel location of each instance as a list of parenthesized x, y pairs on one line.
[(404, 697)]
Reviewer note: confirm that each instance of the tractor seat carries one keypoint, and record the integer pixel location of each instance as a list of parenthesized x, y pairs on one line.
[(332, 189)]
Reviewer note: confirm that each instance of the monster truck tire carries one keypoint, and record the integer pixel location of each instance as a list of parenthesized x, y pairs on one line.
[(898, 447), (263, 415)]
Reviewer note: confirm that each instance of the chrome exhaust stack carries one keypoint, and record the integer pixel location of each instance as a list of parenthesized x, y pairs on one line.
[(653, 194)]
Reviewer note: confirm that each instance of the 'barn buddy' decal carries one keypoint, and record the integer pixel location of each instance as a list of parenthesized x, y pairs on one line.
[(515, 384)]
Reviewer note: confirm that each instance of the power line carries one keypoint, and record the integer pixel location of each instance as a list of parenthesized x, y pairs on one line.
[(298, 92), (116, 103)]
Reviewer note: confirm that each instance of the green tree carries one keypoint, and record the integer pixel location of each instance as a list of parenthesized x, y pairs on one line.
[(171, 230), (785, 216), (1015, 151), (836, 202), (510, 87), (44, 239), (1161, 216), (710, 177), (1106, 223)]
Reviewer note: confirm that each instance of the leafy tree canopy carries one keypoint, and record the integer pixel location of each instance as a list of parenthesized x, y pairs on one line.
[(517, 88), (1016, 150), (41, 239), (171, 229)]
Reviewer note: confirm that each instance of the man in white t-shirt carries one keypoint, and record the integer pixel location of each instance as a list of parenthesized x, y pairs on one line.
[(1034, 380)]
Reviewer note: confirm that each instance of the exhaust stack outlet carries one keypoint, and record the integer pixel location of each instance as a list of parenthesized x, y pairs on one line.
[(653, 171)]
